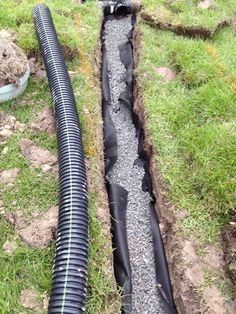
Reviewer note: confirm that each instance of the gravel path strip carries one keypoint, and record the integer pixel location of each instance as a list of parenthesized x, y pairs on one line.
[(145, 298)]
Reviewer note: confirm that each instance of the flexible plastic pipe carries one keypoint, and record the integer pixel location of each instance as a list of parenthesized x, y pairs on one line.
[(69, 281)]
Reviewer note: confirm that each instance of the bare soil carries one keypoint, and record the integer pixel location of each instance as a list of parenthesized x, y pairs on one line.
[(30, 299), (37, 155), (13, 63), (45, 121), (42, 230), (38, 232)]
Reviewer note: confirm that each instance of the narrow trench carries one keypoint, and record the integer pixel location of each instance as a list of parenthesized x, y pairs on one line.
[(139, 258)]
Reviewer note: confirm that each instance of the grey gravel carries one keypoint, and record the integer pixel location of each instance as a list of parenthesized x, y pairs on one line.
[(145, 298)]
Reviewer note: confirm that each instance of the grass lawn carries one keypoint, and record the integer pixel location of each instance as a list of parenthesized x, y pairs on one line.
[(192, 119), (187, 13), (78, 28)]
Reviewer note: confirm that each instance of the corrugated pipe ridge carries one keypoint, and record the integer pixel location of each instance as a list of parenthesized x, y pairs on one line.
[(69, 282)]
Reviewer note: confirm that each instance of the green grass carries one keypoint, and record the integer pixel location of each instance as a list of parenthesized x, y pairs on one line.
[(78, 28), (192, 122), (182, 12), (18, 16), (20, 270)]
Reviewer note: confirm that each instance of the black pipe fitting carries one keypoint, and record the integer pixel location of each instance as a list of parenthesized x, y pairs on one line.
[(69, 282), (120, 8)]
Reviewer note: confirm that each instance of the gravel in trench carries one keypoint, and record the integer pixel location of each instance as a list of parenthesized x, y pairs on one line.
[(145, 298)]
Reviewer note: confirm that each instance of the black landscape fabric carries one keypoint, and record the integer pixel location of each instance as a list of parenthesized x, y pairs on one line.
[(118, 195)]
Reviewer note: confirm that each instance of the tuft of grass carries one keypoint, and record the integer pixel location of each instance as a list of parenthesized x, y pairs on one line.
[(192, 61)]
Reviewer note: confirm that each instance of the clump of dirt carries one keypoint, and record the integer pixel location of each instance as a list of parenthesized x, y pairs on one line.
[(38, 156), (9, 246), (37, 233), (8, 176), (45, 121), (17, 219), (13, 63), (37, 68), (9, 124), (206, 4), (69, 53), (41, 231), (29, 299)]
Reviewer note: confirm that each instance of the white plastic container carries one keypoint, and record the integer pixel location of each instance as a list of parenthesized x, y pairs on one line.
[(11, 91)]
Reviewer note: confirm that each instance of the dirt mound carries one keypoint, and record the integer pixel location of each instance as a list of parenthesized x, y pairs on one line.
[(13, 62)]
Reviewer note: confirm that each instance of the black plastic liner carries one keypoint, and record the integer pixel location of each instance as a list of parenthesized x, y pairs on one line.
[(69, 281), (118, 195)]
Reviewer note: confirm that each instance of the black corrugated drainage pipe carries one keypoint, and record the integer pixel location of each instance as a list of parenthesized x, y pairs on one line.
[(69, 281), (121, 8)]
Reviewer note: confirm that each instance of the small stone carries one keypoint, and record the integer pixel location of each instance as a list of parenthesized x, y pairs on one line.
[(5, 133), (45, 301), (9, 246), (183, 214), (2, 211), (10, 185), (206, 4), (46, 168), (20, 126), (7, 127), (166, 74), (5, 150), (8, 176)]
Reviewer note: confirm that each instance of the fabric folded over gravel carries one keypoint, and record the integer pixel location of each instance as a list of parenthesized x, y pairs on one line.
[(128, 175)]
